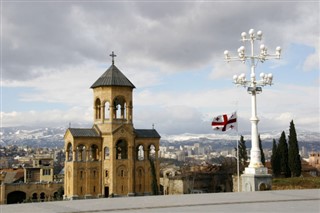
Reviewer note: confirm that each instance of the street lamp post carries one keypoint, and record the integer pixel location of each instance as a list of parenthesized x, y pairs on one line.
[(253, 87)]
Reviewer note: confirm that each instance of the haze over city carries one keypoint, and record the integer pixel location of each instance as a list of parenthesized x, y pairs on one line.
[(53, 51)]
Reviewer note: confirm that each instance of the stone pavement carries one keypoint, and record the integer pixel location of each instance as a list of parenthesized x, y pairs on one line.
[(266, 201)]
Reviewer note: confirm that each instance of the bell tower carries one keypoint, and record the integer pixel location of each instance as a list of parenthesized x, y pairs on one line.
[(112, 99)]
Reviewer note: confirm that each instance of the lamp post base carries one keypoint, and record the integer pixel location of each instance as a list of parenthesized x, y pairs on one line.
[(256, 179)]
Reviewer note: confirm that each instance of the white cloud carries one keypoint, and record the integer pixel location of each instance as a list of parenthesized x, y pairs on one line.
[(312, 62), (49, 118), (59, 49)]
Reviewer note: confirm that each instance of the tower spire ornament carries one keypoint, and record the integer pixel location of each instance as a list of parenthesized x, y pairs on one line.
[(113, 56)]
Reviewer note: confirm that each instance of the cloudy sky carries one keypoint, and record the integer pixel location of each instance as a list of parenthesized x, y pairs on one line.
[(172, 51)]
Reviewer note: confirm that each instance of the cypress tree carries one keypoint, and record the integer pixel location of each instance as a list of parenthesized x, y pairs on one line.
[(283, 155), (154, 183), (263, 159), (243, 156), (275, 161), (294, 157)]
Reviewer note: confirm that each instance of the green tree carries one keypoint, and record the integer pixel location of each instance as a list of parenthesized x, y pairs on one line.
[(60, 193), (275, 160), (283, 155), (293, 153), (263, 159), (154, 182), (243, 156)]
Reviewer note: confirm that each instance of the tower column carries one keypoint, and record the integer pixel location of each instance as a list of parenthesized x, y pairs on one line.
[(103, 113), (111, 112), (131, 170), (74, 155)]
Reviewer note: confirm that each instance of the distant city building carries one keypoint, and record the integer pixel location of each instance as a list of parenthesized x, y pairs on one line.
[(112, 158)]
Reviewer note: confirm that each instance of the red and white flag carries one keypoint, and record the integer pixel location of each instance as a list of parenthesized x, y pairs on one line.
[(223, 123)]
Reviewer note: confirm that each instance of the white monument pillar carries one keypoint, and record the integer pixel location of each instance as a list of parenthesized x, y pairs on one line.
[(255, 176)]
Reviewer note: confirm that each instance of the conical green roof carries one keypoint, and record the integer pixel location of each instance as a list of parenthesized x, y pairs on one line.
[(112, 77)]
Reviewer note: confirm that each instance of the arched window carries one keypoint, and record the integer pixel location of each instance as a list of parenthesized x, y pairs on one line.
[(98, 108), (120, 108), (121, 150), (106, 153), (140, 172), (118, 111), (34, 197), (69, 152), (152, 152), (106, 173), (94, 152), (42, 196), (81, 153), (121, 171), (107, 110), (140, 153)]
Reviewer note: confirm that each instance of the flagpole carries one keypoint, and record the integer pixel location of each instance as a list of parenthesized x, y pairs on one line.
[(238, 163), (238, 167), (238, 159)]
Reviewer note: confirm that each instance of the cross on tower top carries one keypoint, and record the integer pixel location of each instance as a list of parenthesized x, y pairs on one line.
[(113, 56)]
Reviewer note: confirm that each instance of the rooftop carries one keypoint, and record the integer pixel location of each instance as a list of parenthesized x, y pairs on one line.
[(147, 133), (78, 132), (265, 201), (112, 77)]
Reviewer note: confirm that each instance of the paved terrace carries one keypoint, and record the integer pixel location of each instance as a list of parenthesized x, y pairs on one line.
[(267, 201)]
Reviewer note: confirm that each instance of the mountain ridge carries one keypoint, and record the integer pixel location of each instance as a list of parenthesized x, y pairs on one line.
[(53, 136)]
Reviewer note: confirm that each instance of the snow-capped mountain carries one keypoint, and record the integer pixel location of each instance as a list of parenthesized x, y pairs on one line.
[(302, 135), (33, 137), (53, 137)]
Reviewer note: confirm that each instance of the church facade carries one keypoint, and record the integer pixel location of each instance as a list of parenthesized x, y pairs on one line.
[(112, 158)]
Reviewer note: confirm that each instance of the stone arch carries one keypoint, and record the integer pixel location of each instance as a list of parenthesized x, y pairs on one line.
[(152, 152), (106, 153), (35, 197), (140, 172), (122, 171), (42, 196), (69, 152), (97, 108), (119, 107), (81, 152), (121, 149), (94, 152), (106, 110), (16, 197), (95, 173), (55, 196), (263, 187), (140, 152)]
